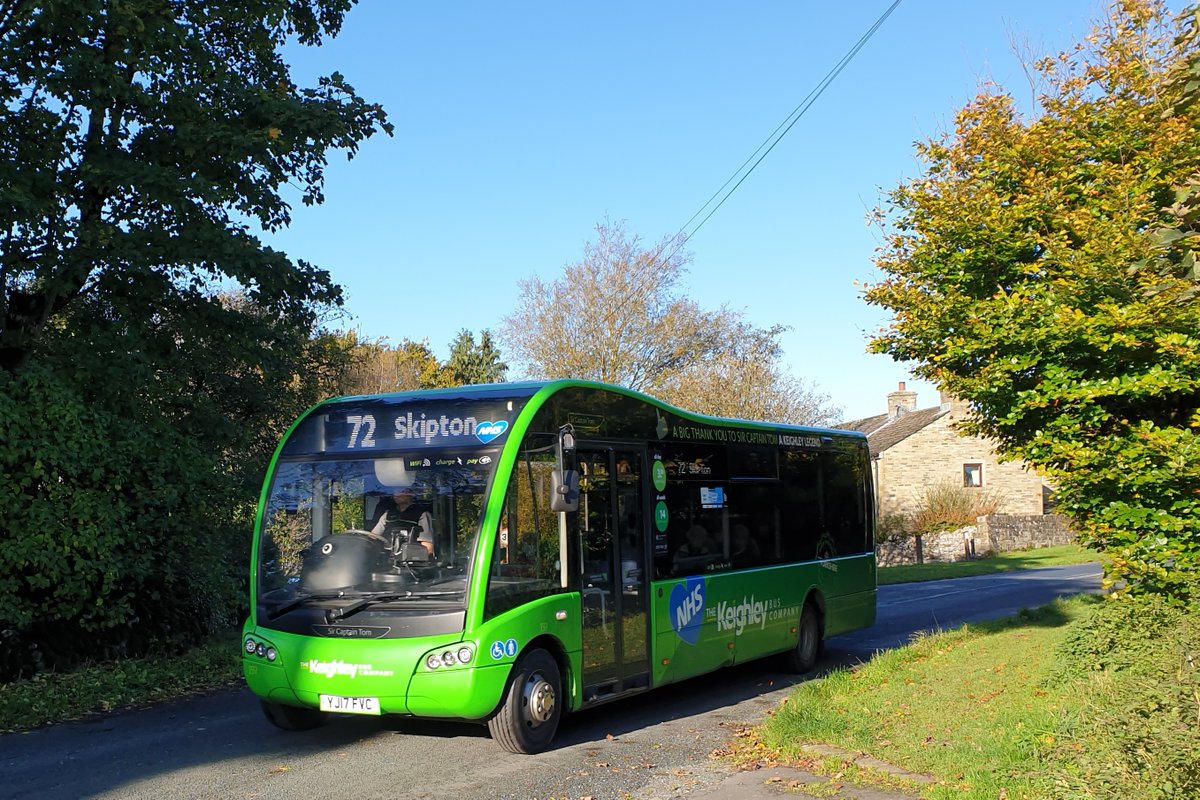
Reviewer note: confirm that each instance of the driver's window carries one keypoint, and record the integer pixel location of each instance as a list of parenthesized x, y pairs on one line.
[(525, 559)]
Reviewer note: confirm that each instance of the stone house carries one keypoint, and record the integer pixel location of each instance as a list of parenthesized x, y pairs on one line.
[(913, 449)]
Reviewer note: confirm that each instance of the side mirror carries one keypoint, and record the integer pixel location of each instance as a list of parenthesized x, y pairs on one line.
[(564, 490), (564, 482)]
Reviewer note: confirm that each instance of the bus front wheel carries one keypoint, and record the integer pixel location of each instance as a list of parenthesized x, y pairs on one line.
[(527, 719), (291, 718), (803, 657)]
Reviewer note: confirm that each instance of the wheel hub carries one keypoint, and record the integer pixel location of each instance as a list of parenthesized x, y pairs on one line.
[(539, 699)]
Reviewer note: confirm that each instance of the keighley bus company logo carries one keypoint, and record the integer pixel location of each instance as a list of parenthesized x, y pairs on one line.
[(344, 669), (689, 608)]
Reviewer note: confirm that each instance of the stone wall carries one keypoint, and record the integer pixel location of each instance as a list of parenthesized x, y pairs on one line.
[(997, 533), (1002, 532), (952, 546)]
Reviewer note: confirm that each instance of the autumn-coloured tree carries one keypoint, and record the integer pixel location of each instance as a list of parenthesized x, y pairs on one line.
[(621, 316), (1040, 269)]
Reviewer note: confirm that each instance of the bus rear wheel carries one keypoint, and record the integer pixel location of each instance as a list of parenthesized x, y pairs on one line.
[(291, 718), (527, 719), (803, 657)]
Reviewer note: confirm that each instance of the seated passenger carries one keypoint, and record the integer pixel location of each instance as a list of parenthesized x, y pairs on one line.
[(743, 548), (698, 550)]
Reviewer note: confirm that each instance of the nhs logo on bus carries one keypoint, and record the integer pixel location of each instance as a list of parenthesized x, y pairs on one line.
[(687, 609)]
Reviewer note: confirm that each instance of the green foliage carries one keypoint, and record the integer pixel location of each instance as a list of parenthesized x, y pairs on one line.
[(1039, 270), (110, 542), (141, 137), (1136, 666), (139, 408), (376, 366), (891, 527), (471, 363)]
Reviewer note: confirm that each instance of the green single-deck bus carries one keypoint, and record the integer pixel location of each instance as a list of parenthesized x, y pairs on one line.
[(512, 552)]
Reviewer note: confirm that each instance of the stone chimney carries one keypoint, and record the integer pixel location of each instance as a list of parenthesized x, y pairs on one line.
[(901, 401), (953, 404)]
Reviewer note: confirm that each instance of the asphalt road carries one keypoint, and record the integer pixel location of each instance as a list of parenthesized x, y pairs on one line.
[(654, 746)]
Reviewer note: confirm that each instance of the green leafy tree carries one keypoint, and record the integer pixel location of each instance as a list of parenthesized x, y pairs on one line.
[(472, 363), (1040, 269), (418, 368), (142, 139), (620, 316)]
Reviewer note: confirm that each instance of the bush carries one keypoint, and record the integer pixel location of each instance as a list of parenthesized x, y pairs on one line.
[(892, 527), (117, 531), (946, 506), (1134, 732)]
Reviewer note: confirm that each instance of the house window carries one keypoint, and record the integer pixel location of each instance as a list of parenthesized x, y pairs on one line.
[(973, 475)]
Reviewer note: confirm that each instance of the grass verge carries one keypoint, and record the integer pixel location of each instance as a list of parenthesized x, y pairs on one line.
[(1001, 562), (58, 697), (1083, 698)]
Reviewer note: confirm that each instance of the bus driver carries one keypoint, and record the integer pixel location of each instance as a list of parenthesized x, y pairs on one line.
[(406, 520)]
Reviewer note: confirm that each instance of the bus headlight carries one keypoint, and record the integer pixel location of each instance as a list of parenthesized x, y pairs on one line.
[(255, 647), (456, 656)]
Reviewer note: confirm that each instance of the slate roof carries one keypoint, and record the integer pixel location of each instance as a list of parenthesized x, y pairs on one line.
[(885, 431)]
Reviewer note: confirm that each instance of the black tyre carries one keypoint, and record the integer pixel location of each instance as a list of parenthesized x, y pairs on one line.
[(532, 707), (291, 718), (809, 643)]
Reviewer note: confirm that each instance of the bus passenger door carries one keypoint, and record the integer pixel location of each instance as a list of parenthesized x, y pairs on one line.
[(609, 529)]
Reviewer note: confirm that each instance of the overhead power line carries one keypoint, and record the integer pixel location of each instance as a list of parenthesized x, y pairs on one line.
[(682, 237), (771, 141)]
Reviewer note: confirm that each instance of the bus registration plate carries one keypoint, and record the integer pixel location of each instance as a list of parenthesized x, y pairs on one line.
[(350, 705)]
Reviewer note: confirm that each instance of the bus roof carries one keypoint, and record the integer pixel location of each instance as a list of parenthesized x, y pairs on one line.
[(524, 390)]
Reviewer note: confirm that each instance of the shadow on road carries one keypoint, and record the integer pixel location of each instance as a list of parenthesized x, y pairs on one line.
[(136, 753)]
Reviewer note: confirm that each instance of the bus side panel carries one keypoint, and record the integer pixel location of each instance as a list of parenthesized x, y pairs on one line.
[(742, 616), (685, 642), (763, 608), (849, 588)]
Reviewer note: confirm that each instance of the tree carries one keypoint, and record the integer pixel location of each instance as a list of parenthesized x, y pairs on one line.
[(135, 449), (746, 381), (619, 316), (472, 363), (142, 141), (1039, 270), (141, 138), (376, 366)]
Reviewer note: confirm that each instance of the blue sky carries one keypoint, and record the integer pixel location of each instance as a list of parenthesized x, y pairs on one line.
[(520, 126)]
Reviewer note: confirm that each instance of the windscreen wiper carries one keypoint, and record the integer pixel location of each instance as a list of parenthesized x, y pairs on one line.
[(391, 597), (363, 602), (296, 602)]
